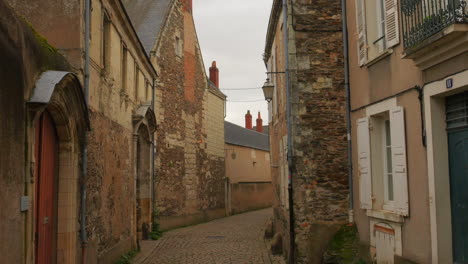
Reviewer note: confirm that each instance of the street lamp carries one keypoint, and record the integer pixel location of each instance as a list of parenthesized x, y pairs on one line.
[(268, 89)]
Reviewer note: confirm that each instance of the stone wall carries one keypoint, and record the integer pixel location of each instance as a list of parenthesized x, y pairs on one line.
[(113, 104), (190, 161), (320, 179), (319, 156)]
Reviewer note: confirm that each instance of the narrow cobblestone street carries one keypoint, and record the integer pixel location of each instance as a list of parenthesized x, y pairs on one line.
[(237, 239)]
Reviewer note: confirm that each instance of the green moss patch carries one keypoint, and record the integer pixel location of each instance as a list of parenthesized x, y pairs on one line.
[(344, 247)]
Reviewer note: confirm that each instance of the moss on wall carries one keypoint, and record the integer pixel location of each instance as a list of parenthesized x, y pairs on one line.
[(345, 248)]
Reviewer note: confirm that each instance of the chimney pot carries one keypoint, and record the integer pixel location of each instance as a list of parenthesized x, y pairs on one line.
[(248, 120), (259, 123), (214, 74)]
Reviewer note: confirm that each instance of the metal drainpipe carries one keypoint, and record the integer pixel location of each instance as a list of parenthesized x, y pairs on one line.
[(83, 234), (348, 109), (292, 244), (153, 152)]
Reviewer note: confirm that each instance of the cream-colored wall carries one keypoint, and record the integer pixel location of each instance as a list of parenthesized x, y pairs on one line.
[(214, 125), (380, 79), (243, 169)]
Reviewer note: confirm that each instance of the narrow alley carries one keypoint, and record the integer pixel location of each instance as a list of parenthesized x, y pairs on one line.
[(236, 239)]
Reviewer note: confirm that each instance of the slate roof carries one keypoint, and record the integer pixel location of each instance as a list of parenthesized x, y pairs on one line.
[(266, 129), (148, 18), (237, 135)]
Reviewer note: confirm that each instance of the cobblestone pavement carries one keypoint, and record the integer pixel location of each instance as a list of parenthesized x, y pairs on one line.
[(235, 240)]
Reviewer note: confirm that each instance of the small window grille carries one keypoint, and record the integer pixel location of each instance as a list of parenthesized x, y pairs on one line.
[(457, 110)]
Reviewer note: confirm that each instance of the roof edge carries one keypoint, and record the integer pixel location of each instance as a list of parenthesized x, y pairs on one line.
[(272, 25)]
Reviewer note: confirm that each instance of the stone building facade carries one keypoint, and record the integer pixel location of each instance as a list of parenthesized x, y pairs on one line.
[(304, 54), (190, 182), (408, 78), (117, 187), (44, 113)]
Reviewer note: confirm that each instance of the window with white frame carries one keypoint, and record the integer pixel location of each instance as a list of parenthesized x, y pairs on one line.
[(382, 162), (377, 28)]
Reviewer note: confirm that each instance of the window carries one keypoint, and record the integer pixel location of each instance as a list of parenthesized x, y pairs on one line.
[(382, 161), (388, 175), (137, 81), (106, 41), (178, 46), (124, 66), (377, 27)]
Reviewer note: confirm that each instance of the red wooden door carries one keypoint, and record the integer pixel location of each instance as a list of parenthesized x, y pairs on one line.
[(46, 171)]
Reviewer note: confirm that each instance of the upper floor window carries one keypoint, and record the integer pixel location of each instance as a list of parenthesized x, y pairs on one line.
[(124, 67), (106, 41), (377, 27)]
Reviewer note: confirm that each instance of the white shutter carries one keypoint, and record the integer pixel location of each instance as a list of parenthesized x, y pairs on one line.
[(364, 155), (361, 31), (400, 181), (392, 30)]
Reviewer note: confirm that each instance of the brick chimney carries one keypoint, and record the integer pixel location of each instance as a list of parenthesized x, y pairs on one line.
[(248, 120), (188, 5), (259, 123), (214, 74)]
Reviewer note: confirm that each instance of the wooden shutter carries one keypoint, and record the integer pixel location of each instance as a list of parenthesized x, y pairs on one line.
[(392, 30), (361, 31), (364, 155), (400, 181)]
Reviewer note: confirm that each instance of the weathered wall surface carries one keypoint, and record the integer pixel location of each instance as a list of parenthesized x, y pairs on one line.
[(319, 133), (19, 71), (249, 174), (113, 102), (247, 164), (250, 196), (190, 161), (319, 160)]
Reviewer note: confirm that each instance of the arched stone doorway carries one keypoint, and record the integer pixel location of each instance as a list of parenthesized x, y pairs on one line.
[(144, 128), (58, 121)]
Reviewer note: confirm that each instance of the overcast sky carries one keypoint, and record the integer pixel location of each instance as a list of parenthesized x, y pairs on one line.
[(233, 34)]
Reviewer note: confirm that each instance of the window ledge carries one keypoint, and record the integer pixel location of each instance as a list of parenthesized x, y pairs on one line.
[(380, 57), (386, 215)]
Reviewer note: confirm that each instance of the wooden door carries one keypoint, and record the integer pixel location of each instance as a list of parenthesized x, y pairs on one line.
[(457, 127), (458, 157), (46, 172)]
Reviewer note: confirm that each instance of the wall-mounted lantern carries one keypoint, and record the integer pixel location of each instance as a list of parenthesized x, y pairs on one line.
[(268, 89)]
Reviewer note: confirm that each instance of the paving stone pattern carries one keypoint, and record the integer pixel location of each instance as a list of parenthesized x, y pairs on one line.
[(235, 240)]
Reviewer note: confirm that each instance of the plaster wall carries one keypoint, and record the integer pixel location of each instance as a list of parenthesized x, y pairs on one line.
[(245, 164), (382, 79)]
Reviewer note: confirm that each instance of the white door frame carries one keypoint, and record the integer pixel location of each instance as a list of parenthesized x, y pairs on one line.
[(438, 164)]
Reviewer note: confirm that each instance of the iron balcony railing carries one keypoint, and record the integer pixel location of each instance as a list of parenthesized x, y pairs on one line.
[(424, 18)]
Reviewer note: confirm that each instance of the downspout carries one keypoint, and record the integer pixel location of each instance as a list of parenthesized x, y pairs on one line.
[(153, 153), (292, 237), (83, 234), (348, 109)]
